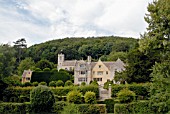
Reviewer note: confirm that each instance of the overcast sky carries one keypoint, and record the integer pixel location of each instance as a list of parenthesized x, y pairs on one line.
[(42, 20)]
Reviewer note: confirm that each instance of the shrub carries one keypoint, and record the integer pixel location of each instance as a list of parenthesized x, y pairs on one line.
[(90, 97), (13, 99), (140, 107), (38, 69), (83, 84), (52, 84), (59, 83), (94, 83), (109, 105), (35, 83), (42, 83), (70, 109), (12, 108), (46, 69), (68, 83), (59, 106), (126, 96), (42, 99), (74, 97), (26, 84)]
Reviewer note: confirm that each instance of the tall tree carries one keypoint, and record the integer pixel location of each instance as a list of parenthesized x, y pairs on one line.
[(20, 44)]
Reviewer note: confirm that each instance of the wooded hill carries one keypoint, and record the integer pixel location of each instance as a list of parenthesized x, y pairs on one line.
[(106, 48)]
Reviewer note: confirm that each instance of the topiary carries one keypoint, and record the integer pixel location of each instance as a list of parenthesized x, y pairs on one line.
[(94, 83), (68, 83), (83, 84), (42, 83), (26, 84), (59, 83), (90, 97), (37, 70), (52, 84), (46, 69), (42, 99), (126, 96), (74, 97), (35, 83)]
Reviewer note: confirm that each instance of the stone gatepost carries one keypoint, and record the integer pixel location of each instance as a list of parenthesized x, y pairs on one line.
[(110, 91)]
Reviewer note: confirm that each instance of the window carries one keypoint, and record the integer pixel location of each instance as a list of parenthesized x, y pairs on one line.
[(97, 79), (82, 79), (83, 72), (99, 66), (82, 66), (100, 73), (28, 78), (106, 72)]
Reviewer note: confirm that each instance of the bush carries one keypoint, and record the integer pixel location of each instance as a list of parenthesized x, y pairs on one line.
[(109, 105), (126, 96), (46, 69), (94, 83), (52, 84), (12, 108), (140, 107), (70, 109), (74, 97), (43, 83), (35, 83), (26, 84), (38, 69), (59, 106), (13, 99), (90, 97), (83, 84), (68, 83), (42, 99), (59, 83)]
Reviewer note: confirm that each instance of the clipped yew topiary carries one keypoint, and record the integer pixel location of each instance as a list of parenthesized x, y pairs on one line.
[(126, 96), (43, 83), (90, 97), (42, 99), (59, 83), (83, 83), (68, 83), (35, 83), (74, 97), (52, 84)]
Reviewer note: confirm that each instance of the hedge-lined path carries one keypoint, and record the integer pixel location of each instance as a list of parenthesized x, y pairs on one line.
[(104, 93)]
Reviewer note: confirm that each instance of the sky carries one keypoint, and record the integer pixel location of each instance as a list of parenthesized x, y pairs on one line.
[(42, 20)]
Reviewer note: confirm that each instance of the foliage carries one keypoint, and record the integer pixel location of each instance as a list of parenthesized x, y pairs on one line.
[(160, 91), (25, 64), (52, 84), (74, 97), (46, 69), (92, 108), (59, 83), (59, 106), (83, 83), (7, 61), (90, 97), (106, 84), (27, 84), (35, 83), (44, 64), (12, 80), (42, 99), (42, 83), (3, 86), (12, 108), (94, 83), (126, 96), (140, 107), (109, 105), (70, 109), (68, 83)]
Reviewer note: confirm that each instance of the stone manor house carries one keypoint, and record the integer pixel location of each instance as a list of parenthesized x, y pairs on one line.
[(86, 71)]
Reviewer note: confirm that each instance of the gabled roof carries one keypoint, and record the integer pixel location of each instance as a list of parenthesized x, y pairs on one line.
[(69, 63)]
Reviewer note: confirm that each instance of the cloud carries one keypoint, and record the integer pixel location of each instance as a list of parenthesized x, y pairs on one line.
[(39, 21)]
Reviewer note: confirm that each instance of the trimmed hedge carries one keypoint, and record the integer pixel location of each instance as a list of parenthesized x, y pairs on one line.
[(6, 108), (141, 90), (109, 105), (140, 107)]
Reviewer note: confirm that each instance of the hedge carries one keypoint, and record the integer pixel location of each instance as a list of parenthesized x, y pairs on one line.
[(6, 108), (141, 90), (140, 107), (109, 105), (58, 91)]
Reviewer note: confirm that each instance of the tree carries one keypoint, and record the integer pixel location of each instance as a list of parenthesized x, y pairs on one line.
[(44, 64), (7, 60), (25, 64), (20, 44), (160, 91)]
